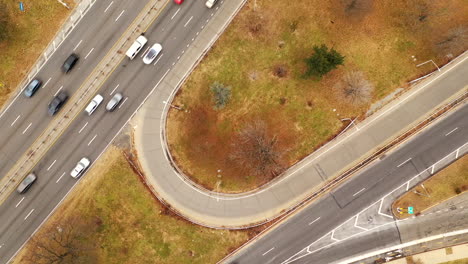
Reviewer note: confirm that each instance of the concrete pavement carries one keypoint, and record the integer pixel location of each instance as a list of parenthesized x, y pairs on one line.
[(302, 180), (459, 252)]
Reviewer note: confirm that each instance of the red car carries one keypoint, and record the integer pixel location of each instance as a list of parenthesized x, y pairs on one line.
[(178, 1)]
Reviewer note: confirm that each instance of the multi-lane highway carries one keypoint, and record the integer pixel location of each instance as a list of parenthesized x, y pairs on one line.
[(289, 242), (26, 118)]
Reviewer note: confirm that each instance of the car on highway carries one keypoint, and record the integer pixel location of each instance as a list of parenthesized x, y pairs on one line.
[(80, 167), (112, 104), (210, 3), (26, 183), (93, 105), (70, 63), (179, 2), (32, 88), (152, 53), (139, 43), (57, 102)]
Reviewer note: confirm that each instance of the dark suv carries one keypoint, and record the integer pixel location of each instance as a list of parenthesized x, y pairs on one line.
[(57, 102), (70, 63)]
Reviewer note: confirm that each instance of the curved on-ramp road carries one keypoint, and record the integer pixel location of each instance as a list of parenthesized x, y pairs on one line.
[(248, 209)]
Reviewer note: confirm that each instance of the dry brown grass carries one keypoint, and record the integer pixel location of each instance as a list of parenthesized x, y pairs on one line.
[(30, 32), (378, 40), (440, 187), (124, 223)]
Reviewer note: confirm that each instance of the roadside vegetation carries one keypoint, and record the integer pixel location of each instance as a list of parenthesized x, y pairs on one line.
[(23, 37), (448, 183), (286, 76), (111, 217)]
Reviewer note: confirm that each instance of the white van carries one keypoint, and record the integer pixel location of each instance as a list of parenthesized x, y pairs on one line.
[(136, 47), (97, 100)]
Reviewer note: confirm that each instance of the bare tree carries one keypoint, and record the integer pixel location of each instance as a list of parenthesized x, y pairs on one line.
[(60, 242), (257, 151), (455, 41), (355, 88), (4, 22)]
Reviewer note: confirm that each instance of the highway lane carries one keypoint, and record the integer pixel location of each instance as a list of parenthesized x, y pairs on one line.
[(89, 135), (91, 39), (323, 216)]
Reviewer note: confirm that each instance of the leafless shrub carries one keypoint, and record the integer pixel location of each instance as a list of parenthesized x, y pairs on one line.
[(254, 149), (357, 8), (355, 88), (455, 41), (280, 71)]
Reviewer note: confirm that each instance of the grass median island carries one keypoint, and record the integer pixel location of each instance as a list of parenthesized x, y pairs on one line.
[(112, 218), (24, 36), (444, 185), (249, 112)]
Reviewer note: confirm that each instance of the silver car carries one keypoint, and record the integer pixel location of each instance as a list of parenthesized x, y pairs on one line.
[(26, 183), (112, 104), (80, 167), (152, 53)]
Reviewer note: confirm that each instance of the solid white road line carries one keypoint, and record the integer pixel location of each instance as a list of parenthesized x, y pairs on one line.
[(88, 53), (77, 45), (58, 90), (19, 202), (268, 251), (15, 120), (108, 6), (60, 177), (359, 191), (123, 102), (453, 130), (143, 53), (29, 214), (314, 221), (158, 59), (403, 163), (114, 89), (43, 86), (27, 128), (92, 140), (83, 128), (190, 19), (119, 15), (51, 165), (175, 13)]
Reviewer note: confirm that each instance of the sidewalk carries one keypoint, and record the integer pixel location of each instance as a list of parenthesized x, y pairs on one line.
[(459, 252)]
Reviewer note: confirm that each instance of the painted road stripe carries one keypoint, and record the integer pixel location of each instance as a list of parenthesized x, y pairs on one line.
[(268, 251), (109, 6), (190, 19), (58, 90), (51, 165), (83, 128), (29, 214), (24, 131), (359, 191), (88, 53), (123, 102), (403, 163), (453, 130), (60, 177), (114, 89), (314, 221), (119, 15), (19, 202), (92, 140), (15, 120), (77, 45)]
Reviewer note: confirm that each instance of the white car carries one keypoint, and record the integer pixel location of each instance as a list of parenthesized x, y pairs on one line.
[(97, 100), (152, 53), (139, 43), (210, 3), (80, 167)]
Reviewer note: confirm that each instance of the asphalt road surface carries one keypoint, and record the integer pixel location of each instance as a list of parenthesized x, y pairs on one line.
[(323, 216), (87, 136)]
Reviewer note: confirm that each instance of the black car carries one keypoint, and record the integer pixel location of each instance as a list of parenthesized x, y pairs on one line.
[(70, 63), (57, 102), (32, 87)]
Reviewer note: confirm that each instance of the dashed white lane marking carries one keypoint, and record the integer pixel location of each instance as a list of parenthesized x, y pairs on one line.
[(143, 53), (51, 165), (453, 130), (190, 19), (403, 163), (77, 45), (109, 6), (58, 90), (43, 86), (15, 120), (83, 128), (314, 221), (123, 102), (268, 251), (19, 202), (121, 13), (60, 177), (358, 192), (29, 214), (158, 59), (91, 141), (175, 13), (114, 89), (88, 53), (26, 129)]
